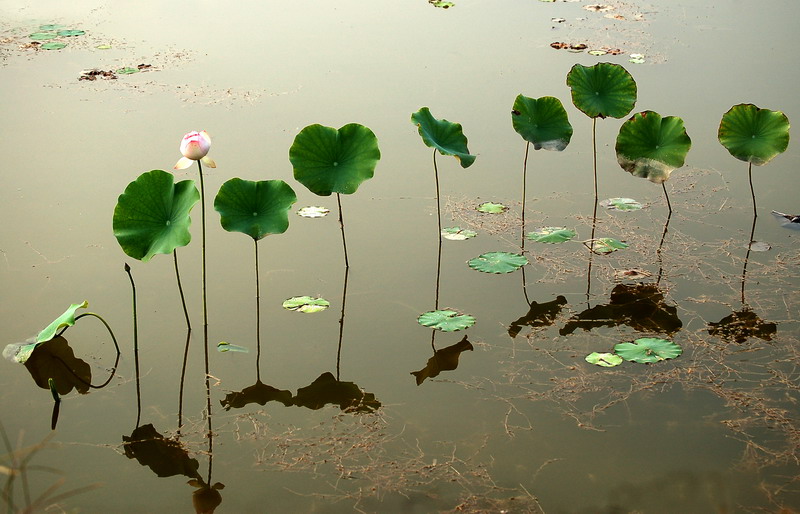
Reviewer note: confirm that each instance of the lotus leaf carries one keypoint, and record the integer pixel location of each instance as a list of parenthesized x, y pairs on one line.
[(445, 136), (602, 90), (492, 208), (607, 360), (65, 320), (43, 36), (606, 245), (446, 320), (306, 304), (53, 45), (224, 346), (648, 350), (255, 208), (552, 235), (498, 262), (458, 233), (71, 32), (542, 121), (327, 160), (621, 204), (651, 147), (313, 212), (754, 135), (152, 215)]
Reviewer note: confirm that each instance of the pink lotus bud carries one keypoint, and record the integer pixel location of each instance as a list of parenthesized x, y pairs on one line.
[(194, 147)]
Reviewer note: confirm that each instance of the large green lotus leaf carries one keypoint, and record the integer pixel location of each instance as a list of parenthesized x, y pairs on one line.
[(152, 215), (542, 121), (651, 147), (446, 320), (498, 262), (648, 350), (255, 208), (327, 160), (443, 135), (65, 320), (602, 90), (752, 134)]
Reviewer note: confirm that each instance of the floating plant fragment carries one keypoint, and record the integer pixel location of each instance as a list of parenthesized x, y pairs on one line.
[(446, 320), (313, 212), (649, 146), (445, 136), (71, 32), (498, 262), (787, 220), (760, 246), (458, 233), (127, 70), (598, 8), (631, 274), (152, 215), (621, 204), (306, 304), (607, 360), (223, 346), (103, 47), (439, 3), (255, 208), (552, 235), (753, 134), (597, 53), (637, 59), (53, 45), (605, 245), (542, 121), (647, 350), (492, 208)]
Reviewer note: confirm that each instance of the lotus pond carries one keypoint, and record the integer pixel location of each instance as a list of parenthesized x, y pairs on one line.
[(440, 257)]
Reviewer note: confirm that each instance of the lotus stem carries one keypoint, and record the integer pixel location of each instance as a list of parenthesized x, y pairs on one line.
[(594, 162), (205, 318), (669, 206), (341, 323), (752, 193), (747, 255), (524, 197), (341, 225), (660, 245), (258, 314), (135, 346), (116, 362), (438, 204), (183, 380), (180, 289)]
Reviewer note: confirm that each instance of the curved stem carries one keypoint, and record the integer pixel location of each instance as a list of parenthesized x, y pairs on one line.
[(205, 319), (341, 225), (752, 192), (438, 204), (660, 245), (669, 206), (180, 289), (116, 362), (258, 315), (135, 347), (524, 196)]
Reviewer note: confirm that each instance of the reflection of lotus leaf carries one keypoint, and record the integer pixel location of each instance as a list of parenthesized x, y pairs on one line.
[(206, 498), (539, 315), (165, 457), (753, 134), (445, 359), (259, 393), (647, 350), (445, 136), (54, 360), (739, 326), (639, 306), (327, 390), (602, 90), (498, 262), (542, 121), (651, 147), (446, 320)]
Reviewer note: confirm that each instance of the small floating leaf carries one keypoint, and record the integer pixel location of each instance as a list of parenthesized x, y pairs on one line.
[(50, 27), (492, 208), (127, 70), (498, 262), (607, 360), (445, 136), (42, 36), (103, 47), (606, 245), (637, 59), (65, 320), (71, 32), (313, 212), (443, 5), (446, 320), (552, 235), (306, 304), (648, 350), (223, 346), (53, 45), (458, 233), (760, 246), (597, 53), (621, 204)]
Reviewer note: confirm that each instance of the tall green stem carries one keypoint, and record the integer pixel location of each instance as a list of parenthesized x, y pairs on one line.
[(438, 204), (752, 191), (205, 319), (180, 289), (341, 225), (135, 347), (524, 196), (258, 314), (594, 156), (669, 206)]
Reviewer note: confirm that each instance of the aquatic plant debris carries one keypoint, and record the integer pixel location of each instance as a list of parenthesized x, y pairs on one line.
[(306, 304), (631, 274), (446, 320), (607, 360), (760, 246), (498, 262), (441, 4), (313, 212), (458, 233), (637, 59), (492, 208), (223, 346), (621, 204), (552, 235), (647, 350)]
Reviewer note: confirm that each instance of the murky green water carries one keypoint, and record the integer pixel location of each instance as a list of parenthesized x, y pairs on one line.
[(523, 424)]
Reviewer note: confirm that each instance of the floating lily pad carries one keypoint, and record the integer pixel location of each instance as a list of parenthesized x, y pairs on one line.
[(446, 320), (71, 32), (255, 208), (597, 53), (445, 136), (443, 5), (103, 47), (651, 147), (306, 304), (327, 160), (602, 90), (648, 350), (607, 360), (127, 70), (313, 212), (753, 134), (152, 215), (760, 246), (43, 36), (621, 204), (458, 233), (542, 121), (492, 208), (498, 262), (606, 245), (637, 59), (223, 346), (552, 235), (53, 45)]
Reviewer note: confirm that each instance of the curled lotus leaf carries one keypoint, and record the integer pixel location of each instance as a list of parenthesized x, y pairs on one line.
[(445, 136), (605, 245), (649, 146), (753, 134), (542, 122), (458, 233)]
